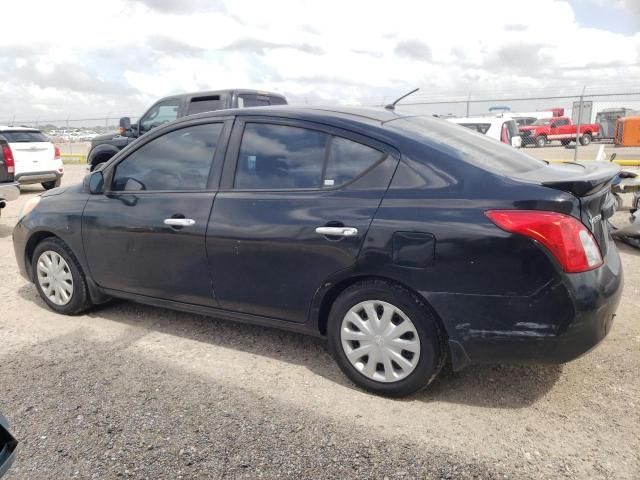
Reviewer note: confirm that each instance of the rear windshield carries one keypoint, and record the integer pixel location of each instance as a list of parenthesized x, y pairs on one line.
[(24, 136), (478, 127), (205, 104), (471, 147)]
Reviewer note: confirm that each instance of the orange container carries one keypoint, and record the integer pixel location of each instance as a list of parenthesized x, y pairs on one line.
[(627, 133)]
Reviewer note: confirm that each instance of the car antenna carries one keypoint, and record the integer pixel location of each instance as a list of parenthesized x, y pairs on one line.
[(392, 106)]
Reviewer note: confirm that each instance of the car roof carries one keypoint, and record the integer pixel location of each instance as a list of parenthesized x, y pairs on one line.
[(21, 129), (238, 91), (362, 114)]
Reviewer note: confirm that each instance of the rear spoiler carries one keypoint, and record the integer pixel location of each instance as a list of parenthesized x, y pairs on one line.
[(580, 179)]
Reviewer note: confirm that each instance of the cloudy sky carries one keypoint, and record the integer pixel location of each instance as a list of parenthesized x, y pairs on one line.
[(93, 58)]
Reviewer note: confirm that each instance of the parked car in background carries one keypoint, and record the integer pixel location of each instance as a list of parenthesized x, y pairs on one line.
[(35, 158), (524, 121), (546, 130), (405, 240), (103, 147), (501, 127), (9, 188)]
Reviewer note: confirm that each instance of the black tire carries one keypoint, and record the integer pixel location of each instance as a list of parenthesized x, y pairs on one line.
[(541, 141), (51, 184), (585, 139), (565, 142), (80, 300), (432, 351)]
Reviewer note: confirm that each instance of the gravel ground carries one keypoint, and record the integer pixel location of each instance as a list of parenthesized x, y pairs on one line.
[(130, 391)]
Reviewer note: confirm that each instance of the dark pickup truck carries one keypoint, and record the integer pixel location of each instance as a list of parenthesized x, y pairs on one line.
[(167, 109), (9, 189)]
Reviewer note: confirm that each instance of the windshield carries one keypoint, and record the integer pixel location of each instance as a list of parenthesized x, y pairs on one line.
[(470, 146), (542, 121), (24, 136)]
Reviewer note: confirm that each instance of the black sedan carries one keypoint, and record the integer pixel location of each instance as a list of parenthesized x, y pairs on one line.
[(405, 240)]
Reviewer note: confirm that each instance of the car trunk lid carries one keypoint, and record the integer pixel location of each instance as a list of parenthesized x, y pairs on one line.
[(33, 156), (590, 183)]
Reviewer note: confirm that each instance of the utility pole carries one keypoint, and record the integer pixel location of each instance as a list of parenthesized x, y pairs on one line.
[(575, 152), (468, 103)]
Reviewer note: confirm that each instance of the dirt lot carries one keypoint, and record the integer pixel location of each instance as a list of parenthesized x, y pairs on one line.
[(129, 391)]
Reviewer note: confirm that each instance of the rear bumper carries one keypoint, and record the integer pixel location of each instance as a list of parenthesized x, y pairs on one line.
[(9, 191), (38, 177), (20, 236), (560, 322)]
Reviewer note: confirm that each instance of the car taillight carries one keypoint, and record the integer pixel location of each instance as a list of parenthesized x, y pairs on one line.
[(564, 236), (56, 152), (8, 159)]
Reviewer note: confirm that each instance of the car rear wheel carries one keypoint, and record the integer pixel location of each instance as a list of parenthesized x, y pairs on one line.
[(59, 278), (541, 141), (51, 184), (585, 139), (385, 339)]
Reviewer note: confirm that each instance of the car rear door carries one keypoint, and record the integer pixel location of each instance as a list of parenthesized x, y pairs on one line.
[(146, 234), (294, 207)]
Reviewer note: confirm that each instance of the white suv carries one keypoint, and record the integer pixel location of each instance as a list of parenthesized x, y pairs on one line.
[(36, 159)]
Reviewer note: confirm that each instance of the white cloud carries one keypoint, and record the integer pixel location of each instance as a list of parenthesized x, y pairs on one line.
[(78, 58)]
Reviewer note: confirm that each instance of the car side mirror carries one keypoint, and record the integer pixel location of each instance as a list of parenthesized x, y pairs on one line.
[(125, 127), (8, 446), (94, 183)]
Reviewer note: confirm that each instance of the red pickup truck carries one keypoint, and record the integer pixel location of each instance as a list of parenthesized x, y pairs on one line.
[(545, 130)]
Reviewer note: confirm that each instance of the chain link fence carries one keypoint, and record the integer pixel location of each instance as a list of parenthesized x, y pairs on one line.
[(564, 124)]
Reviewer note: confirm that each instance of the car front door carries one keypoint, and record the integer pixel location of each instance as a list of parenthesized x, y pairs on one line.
[(295, 204), (146, 234)]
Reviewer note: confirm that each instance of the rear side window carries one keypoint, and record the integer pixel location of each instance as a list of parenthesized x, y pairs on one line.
[(348, 160), (205, 104), (285, 157), (472, 148), (24, 136), (280, 156), (178, 160)]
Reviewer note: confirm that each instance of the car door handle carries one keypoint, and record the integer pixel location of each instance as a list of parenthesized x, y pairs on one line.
[(179, 222), (337, 231)]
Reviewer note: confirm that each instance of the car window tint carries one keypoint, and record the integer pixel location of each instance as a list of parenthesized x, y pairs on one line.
[(205, 104), (178, 160), (24, 136), (161, 113), (279, 156), (347, 160), (470, 147)]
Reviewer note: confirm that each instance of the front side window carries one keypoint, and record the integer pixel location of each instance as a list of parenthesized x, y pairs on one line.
[(178, 160), (280, 157), (160, 113)]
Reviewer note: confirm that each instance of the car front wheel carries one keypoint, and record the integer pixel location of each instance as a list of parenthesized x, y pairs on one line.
[(59, 277), (541, 141), (385, 339)]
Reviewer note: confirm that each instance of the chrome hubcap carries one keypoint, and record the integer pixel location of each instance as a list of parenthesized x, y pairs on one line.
[(54, 277), (380, 341)]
